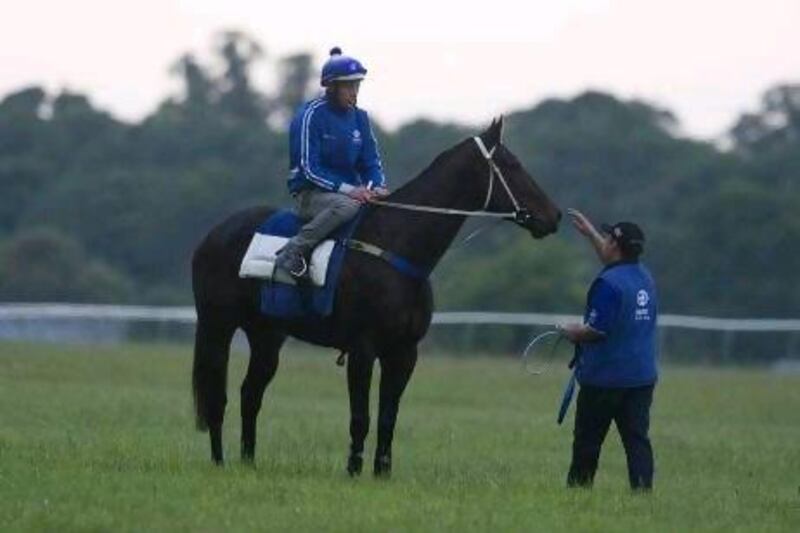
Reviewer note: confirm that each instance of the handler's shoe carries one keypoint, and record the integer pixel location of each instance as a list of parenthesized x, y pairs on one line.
[(291, 260)]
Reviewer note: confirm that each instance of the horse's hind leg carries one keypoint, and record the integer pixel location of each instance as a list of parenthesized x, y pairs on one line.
[(265, 344), (397, 366), (359, 377)]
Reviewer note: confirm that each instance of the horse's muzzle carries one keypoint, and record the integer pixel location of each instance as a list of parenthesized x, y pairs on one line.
[(537, 227)]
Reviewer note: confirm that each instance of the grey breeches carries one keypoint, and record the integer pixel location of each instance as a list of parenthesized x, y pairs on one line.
[(324, 211)]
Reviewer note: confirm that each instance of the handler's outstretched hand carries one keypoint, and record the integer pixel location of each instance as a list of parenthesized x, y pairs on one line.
[(581, 223)]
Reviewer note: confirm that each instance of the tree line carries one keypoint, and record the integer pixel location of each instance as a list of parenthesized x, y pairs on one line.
[(95, 209)]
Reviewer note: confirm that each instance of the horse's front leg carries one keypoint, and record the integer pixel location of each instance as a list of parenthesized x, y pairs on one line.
[(397, 366), (359, 377)]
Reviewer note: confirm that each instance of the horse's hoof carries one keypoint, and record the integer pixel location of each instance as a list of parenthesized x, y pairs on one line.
[(383, 467), (354, 465)]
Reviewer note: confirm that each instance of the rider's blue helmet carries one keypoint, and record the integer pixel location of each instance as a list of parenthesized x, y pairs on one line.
[(341, 68)]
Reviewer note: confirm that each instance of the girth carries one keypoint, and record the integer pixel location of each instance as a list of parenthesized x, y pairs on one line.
[(401, 264)]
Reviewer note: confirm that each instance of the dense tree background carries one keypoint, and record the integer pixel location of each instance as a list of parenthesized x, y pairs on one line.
[(96, 209)]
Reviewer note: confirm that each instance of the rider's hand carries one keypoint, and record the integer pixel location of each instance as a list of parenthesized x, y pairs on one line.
[(361, 194), (380, 192)]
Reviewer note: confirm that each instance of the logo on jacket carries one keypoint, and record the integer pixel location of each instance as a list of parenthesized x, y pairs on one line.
[(356, 136)]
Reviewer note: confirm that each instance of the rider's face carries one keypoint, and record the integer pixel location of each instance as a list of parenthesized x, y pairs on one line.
[(345, 93)]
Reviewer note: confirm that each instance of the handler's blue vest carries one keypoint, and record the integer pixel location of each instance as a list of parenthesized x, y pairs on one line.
[(626, 357)]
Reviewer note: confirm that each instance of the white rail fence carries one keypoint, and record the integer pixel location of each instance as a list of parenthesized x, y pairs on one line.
[(74, 322)]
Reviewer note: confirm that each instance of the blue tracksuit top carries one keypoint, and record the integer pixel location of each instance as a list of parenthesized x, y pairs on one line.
[(332, 149), (622, 303)]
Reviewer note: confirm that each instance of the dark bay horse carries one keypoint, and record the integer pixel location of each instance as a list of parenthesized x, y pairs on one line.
[(379, 312)]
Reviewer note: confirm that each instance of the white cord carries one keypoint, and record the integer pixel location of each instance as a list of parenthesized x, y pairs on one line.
[(529, 351)]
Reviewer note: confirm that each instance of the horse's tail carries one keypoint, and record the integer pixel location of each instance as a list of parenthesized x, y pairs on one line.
[(198, 385), (211, 349), (210, 370)]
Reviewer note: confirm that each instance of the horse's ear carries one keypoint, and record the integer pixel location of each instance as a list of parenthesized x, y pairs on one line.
[(494, 133)]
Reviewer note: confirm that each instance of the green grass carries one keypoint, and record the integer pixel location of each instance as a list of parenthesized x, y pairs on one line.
[(102, 438)]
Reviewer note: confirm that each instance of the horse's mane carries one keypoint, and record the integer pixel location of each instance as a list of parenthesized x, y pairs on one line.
[(420, 179)]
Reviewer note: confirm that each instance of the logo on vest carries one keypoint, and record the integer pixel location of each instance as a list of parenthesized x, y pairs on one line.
[(356, 136), (642, 299)]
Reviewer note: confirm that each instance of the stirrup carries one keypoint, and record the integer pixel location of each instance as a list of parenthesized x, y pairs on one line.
[(301, 271), (292, 262)]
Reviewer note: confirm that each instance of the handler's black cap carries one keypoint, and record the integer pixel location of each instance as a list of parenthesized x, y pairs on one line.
[(629, 236)]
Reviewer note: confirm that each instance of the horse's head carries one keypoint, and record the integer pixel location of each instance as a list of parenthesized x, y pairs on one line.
[(514, 190)]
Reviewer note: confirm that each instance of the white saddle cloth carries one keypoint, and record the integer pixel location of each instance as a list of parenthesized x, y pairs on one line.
[(259, 260)]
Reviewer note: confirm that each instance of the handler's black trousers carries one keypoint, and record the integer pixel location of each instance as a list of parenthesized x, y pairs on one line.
[(629, 408)]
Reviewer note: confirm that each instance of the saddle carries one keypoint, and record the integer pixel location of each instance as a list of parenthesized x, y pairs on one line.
[(281, 297)]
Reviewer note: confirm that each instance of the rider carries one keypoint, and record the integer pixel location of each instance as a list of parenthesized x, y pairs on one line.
[(335, 165)]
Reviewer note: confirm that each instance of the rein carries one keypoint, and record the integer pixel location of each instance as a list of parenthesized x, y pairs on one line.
[(401, 264), (519, 215)]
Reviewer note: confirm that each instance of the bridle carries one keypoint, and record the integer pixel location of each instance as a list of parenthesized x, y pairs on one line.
[(519, 215)]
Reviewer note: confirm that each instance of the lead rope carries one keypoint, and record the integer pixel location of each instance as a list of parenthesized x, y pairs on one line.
[(529, 355)]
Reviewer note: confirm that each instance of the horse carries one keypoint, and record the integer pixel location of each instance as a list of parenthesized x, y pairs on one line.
[(379, 312)]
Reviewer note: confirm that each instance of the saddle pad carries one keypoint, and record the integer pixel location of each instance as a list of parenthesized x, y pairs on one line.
[(259, 260)]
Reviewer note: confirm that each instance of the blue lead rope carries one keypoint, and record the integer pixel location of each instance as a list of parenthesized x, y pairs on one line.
[(566, 398), (569, 389)]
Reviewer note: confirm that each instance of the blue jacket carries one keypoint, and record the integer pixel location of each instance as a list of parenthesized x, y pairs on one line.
[(622, 304), (332, 149)]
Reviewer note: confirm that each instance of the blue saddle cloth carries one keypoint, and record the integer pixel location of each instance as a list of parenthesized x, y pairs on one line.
[(282, 300)]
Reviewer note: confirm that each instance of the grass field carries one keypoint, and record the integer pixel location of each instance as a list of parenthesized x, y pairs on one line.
[(102, 438)]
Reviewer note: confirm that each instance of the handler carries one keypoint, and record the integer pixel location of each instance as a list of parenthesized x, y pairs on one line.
[(615, 355)]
